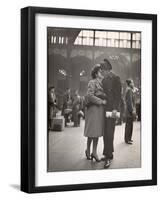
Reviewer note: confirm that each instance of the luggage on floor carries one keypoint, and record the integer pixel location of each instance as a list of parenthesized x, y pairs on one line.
[(57, 123)]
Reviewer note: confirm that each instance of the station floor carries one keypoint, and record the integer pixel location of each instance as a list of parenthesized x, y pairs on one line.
[(67, 150)]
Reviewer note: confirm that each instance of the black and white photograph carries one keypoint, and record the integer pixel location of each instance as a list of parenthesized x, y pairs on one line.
[(93, 99), (88, 99)]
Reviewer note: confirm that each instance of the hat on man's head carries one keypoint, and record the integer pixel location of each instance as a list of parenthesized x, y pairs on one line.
[(128, 81), (106, 64)]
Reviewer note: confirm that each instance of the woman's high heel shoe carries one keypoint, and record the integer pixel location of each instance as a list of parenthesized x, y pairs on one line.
[(87, 156), (95, 157)]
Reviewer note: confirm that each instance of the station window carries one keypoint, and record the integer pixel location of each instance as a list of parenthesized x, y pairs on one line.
[(109, 39)]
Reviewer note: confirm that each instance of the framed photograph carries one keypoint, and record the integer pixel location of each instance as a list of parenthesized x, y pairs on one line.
[(88, 99)]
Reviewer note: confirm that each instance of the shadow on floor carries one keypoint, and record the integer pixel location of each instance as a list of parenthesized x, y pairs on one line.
[(15, 186)]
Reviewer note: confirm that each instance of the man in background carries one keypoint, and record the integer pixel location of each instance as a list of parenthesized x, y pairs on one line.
[(130, 111), (67, 105)]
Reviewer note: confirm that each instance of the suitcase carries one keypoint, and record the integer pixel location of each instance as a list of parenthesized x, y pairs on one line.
[(58, 123)]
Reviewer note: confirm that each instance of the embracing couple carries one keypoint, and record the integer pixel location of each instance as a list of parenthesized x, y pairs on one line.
[(103, 95)]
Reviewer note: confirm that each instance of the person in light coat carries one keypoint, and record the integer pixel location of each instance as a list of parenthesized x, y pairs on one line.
[(94, 115)]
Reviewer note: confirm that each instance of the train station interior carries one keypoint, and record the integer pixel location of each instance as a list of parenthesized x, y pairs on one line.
[(71, 55)]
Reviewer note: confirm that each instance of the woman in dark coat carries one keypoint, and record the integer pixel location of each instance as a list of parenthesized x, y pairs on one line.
[(94, 116)]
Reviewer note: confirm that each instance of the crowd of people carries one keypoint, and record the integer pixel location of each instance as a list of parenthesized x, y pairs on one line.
[(103, 107), (72, 107)]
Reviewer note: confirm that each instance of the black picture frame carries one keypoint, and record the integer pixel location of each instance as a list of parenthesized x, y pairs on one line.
[(28, 98)]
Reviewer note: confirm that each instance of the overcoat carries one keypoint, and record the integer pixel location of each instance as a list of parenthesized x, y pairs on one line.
[(130, 102), (94, 114)]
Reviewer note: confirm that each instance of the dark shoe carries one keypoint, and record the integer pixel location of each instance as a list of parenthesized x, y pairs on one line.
[(95, 157), (88, 156), (107, 164), (130, 140)]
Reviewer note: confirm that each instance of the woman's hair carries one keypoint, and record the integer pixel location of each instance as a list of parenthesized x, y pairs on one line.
[(95, 70)]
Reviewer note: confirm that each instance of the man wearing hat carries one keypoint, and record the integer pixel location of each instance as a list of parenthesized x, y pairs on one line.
[(112, 88)]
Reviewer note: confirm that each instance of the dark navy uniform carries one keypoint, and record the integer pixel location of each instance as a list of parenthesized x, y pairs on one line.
[(112, 88)]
